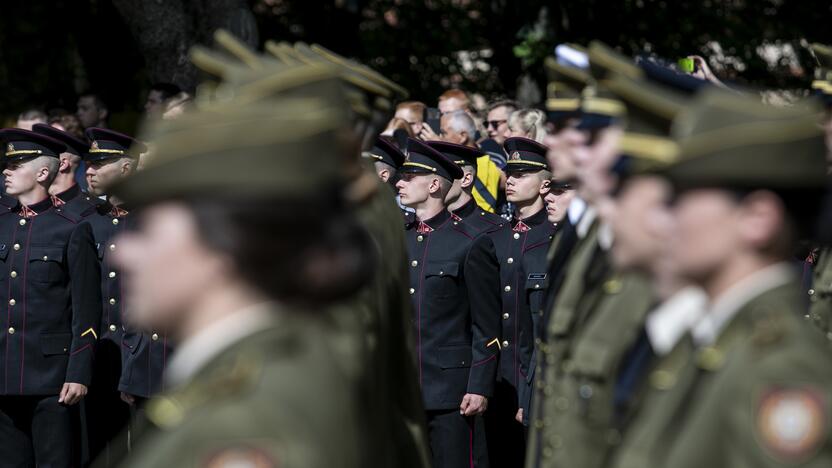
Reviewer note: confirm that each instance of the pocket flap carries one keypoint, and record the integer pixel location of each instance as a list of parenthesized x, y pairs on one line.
[(4, 250), (593, 361), (454, 357), (46, 254), (442, 269), (55, 343), (537, 281), (131, 341)]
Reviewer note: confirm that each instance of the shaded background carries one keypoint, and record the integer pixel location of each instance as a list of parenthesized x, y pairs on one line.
[(50, 51)]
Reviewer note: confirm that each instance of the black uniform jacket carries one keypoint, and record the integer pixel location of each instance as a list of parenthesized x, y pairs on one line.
[(49, 285), (477, 218), (521, 248), (143, 355), (453, 284)]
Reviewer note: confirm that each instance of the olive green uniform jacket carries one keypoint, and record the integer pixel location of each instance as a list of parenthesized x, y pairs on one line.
[(372, 335), (820, 295), (274, 398), (759, 396)]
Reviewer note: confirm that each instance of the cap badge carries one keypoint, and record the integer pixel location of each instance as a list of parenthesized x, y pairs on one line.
[(95, 145), (9, 148), (515, 156)]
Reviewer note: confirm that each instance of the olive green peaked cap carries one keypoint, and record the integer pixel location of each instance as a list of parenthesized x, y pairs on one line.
[(290, 148), (651, 112), (729, 140)]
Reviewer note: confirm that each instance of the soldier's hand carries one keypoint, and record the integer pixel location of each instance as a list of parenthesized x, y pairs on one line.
[(473, 404), (519, 416), (72, 393), (128, 398)]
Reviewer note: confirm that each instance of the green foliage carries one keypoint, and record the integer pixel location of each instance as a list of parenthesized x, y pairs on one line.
[(49, 51)]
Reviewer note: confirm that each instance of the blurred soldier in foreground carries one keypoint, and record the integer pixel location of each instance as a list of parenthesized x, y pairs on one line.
[(820, 293), (751, 386), (235, 260)]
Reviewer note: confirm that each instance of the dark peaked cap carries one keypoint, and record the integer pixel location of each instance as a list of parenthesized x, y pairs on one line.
[(386, 152), (20, 144), (462, 155), (422, 159), (74, 145)]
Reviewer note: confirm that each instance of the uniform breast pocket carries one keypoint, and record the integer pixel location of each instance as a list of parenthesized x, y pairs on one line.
[(593, 383), (536, 286), (46, 265), (442, 279), (131, 341)]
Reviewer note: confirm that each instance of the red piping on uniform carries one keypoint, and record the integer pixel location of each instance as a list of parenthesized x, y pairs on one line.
[(484, 361), (80, 349)]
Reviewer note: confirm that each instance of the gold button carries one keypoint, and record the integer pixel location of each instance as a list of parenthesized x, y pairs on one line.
[(115, 221), (12, 302), (22, 222), (414, 263), (510, 261), (420, 238), (516, 235), (412, 291), (113, 328), (13, 274), (112, 274), (505, 344), (11, 330), (556, 441), (507, 289), (112, 246), (505, 316), (45, 258), (112, 301), (16, 246), (537, 286), (154, 337)]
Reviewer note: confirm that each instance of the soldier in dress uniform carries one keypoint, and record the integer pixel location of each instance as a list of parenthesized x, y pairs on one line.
[(50, 277), (520, 243), (453, 285), (239, 260), (751, 386), (460, 199)]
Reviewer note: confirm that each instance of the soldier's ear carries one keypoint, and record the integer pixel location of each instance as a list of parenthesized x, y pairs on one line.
[(384, 175)]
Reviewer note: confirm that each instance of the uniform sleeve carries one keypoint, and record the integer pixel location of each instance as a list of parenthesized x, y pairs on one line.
[(482, 280), (85, 287)]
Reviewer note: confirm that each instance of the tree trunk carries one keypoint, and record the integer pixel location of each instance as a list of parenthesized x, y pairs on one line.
[(165, 30)]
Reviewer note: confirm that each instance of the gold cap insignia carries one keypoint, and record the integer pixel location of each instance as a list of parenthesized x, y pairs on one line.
[(9, 148), (94, 145), (515, 156)]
